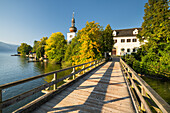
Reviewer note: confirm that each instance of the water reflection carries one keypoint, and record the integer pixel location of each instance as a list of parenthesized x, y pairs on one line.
[(160, 86), (44, 67)]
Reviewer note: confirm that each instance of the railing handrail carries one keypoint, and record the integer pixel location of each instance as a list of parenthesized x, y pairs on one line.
[(11, 84), (159, 101), (17, 98)]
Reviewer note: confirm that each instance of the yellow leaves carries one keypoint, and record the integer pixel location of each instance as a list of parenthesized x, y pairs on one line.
[(89, 49)]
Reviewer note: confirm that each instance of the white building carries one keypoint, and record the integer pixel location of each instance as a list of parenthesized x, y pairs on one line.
[(126, 41), (72, 30)]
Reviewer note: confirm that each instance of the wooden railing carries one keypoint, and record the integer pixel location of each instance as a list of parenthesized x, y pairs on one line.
[(145, 99), (15, 99)]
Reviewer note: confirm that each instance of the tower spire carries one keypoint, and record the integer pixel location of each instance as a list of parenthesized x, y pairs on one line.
[(73, 14), (73, 28), (73, 21)]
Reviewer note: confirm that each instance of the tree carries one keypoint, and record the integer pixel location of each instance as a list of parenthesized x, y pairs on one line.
[(36, 44), (89, 39), (108, 39), (24, 49), (40, 50), (156, 25), (55, 47), (155, 29), (73, 47)]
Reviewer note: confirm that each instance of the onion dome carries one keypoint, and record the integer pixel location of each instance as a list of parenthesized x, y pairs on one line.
[(73, 28)]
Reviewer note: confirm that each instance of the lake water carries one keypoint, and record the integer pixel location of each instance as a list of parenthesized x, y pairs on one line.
[(13, 68), (162, 87)]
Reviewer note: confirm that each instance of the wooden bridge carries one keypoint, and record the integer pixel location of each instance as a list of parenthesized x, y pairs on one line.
[(98, 87)]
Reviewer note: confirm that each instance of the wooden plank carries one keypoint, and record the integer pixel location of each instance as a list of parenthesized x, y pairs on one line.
[(105, 95), (39, 101), (159, 101), (131, 92), (139, 94)]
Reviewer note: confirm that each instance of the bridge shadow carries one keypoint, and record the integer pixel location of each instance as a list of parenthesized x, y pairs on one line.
[(67, 109), (99, 92), (96, 99), (59, 97)]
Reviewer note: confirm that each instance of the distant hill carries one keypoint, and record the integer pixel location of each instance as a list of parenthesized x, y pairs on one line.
[(4, 47)]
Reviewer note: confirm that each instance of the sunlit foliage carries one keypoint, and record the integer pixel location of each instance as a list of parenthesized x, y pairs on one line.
[(153, 57), (89, 40), (55, 47)]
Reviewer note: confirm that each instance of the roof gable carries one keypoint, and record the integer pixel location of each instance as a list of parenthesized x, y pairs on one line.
[(126, 32)]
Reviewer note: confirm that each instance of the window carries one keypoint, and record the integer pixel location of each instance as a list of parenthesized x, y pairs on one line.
[(122, 49), (128, 50), (122, 40), (128, 40), (134, 40), (134, 49), (135, 32), (71, 36), (115, 41)]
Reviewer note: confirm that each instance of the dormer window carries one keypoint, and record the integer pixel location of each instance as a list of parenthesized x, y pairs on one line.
[(114, 33), (135, 32)]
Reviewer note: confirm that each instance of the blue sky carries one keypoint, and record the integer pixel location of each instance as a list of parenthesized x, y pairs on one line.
[(29, 20)]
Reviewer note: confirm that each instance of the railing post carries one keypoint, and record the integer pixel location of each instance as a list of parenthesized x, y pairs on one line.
[(143, 94), (94, 63), (73, 72), (133, 80), (128, 70), (55, 78), (0, 100), (83, 69)]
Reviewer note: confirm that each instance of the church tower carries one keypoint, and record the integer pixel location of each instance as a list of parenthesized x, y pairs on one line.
[(72, 30)]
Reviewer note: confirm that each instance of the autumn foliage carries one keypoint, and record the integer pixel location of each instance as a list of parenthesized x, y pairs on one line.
[(89, 48), (55, 47)]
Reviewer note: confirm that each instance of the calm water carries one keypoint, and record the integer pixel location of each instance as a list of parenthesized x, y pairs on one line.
[(161, 87), (13, 68)]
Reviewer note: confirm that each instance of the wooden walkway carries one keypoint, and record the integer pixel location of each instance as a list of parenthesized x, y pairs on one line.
[(102, 90)]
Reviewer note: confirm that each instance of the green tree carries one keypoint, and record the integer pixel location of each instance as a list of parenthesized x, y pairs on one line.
[(55, 47), (36, 44), (24, 49), (155, 29), (108, 39), (39, 47), (156, 25), (40, 50), (72, 49)]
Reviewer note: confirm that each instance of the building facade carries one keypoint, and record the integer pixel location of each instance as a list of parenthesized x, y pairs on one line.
[(125, 41), (72, 30)]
